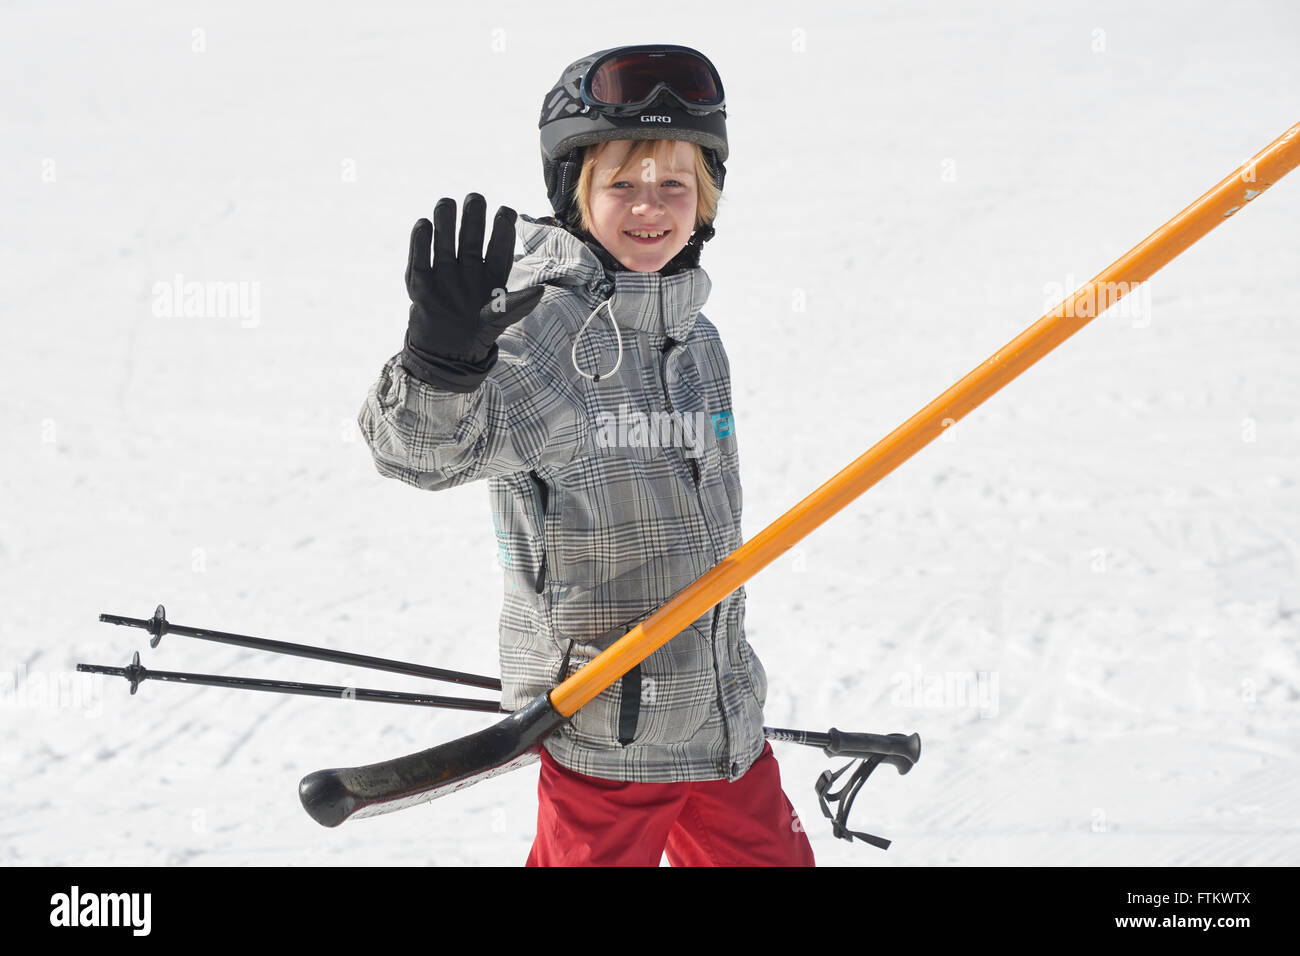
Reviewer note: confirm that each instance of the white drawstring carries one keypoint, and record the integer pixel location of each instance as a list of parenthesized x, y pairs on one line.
[(573, 353)]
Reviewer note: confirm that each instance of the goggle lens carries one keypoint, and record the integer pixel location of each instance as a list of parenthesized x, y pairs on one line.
[(629, 79)]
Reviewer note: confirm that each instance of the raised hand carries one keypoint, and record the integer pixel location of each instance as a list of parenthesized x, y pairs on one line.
[(459, 304)]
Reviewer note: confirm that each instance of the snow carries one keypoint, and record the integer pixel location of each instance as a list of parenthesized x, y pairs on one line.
[(1086, 600)]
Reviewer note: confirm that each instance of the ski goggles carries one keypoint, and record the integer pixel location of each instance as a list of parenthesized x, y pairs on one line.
[(627, 79)]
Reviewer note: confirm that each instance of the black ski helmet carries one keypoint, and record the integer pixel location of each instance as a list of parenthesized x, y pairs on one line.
[(568, 123)]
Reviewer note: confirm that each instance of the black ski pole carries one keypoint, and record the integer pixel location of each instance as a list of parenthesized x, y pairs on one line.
[(899, 750), (136, 672), (894, 749), (158, 625), (838, 743)]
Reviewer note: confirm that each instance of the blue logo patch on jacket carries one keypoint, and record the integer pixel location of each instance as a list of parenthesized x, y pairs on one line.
[(722, 424)]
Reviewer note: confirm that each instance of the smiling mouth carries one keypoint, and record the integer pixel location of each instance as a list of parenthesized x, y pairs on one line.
[(646, 236)]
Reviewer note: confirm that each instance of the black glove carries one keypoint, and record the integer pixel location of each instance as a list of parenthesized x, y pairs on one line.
[(459, 305)]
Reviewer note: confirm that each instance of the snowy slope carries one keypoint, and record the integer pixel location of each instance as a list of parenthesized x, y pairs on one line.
[(1087, 601)]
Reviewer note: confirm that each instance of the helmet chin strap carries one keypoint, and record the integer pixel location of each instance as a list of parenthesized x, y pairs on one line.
[(689, 257)]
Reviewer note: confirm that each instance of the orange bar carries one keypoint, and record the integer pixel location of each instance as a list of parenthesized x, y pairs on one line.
[(1134, 267)]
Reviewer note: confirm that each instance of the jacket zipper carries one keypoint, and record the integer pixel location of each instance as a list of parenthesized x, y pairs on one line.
[(662, 370)]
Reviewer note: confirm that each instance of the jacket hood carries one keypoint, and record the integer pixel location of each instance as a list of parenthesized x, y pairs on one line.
[(554, 256), (649, 301)]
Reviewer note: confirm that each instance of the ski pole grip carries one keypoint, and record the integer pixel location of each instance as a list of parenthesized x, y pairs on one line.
[(841, 744)]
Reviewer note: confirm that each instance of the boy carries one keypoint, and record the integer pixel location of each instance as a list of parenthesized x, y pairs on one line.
[(597, 400)]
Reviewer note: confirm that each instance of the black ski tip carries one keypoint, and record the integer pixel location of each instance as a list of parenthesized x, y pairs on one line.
[(325, 797), (332, 796)]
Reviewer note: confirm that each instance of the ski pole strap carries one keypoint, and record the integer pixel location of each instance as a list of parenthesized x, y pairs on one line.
[(844, 797)]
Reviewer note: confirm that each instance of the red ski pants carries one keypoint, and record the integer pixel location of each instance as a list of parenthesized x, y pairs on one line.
[(590, 821)]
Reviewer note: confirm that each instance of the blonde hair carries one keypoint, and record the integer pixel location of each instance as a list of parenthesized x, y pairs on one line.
[(707, 192)]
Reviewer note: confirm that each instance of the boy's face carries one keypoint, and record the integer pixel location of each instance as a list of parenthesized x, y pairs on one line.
[(654, 198)]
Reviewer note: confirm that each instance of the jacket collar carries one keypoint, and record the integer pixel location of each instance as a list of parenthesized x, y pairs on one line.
[(648, 301)]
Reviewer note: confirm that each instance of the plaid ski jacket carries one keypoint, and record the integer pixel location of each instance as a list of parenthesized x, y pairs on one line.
[(608, 497)]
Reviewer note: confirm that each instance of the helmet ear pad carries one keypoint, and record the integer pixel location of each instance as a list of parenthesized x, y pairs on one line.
[(716, 167), (562, 184)]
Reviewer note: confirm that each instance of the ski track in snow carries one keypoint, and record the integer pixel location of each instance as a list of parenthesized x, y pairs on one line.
[(1112, 543)]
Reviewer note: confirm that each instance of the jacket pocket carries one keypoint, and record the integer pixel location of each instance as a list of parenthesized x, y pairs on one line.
[(629, 708), (665, 700), (541, 496)]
